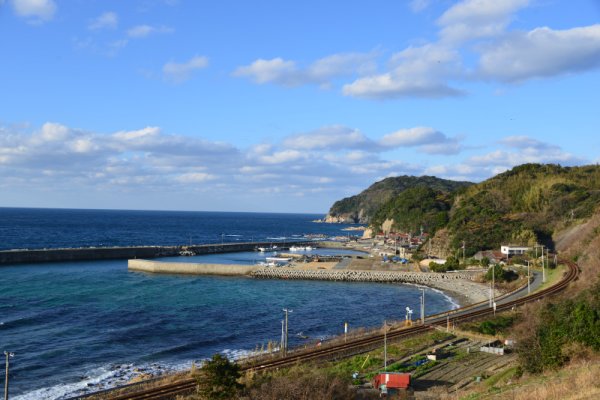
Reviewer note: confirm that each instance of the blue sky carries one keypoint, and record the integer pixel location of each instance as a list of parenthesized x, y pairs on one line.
[(285, 106)]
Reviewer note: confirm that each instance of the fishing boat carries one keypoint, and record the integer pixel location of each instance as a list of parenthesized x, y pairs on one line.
[(269, 249)]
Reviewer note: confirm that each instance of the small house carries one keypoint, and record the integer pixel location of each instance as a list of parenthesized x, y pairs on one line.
[(393, 385)]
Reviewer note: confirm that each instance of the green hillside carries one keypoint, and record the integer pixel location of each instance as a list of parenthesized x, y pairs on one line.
[(361, 208), (416, 207), (524, 205)]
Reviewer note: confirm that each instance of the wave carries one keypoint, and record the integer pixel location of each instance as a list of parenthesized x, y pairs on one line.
[(114, 375), (453, 303)]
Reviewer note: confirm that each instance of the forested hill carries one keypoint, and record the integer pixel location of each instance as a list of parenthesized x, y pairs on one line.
[(362, 207), (525, 205)]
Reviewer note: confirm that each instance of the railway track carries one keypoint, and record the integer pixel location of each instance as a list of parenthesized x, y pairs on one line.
[(362, 345)]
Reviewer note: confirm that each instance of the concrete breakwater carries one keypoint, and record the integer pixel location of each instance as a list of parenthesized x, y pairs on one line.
[(260, 272), (113, 253), (158, 267), (421, 278)]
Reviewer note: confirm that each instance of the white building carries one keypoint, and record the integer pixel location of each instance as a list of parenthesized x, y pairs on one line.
[(510, 250)]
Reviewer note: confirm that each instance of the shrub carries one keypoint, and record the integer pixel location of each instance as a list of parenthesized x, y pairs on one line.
[(219, 379)]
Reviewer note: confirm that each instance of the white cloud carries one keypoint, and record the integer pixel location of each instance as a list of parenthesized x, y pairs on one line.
[(416, 72), (427, 139), (180, 72), (107, 20), (36, 10), (263, 71), (282, 157), (412, 137), (195, 177), (321, 72), (470, 19), (60, 158), (522, 149), (142, 31), (542, 52), (419, 5), (335, 137)]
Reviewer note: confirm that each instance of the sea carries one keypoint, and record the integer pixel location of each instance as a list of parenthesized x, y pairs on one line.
[(78, 327)]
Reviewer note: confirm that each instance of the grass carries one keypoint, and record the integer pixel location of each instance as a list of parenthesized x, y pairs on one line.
[(491, 326), (374, 364), (552, 275), (577, 381)]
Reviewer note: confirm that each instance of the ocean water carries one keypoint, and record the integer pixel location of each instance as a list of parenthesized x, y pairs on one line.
[(51, 228), (82, 326)]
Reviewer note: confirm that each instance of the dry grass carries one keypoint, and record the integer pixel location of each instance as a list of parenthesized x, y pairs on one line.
[(578, 381)]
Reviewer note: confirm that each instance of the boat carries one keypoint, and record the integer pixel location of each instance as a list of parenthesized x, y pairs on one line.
[(300, 248), (278, 259), (269, 249)]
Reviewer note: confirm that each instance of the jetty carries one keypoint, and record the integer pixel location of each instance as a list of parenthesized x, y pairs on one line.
[(22, 256), (285, 273)]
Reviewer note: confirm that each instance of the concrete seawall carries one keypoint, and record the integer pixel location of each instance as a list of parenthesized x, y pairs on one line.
[(159, 267), (124, 253), (261, 272)]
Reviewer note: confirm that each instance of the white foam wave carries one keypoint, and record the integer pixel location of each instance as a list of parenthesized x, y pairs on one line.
[(102, 378), (453, 303), (110, 376)]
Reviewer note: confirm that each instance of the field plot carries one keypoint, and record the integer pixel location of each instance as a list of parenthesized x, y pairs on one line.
[(458, 366)]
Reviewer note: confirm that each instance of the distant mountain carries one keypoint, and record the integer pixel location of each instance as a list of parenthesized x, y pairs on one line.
[(362, 207)]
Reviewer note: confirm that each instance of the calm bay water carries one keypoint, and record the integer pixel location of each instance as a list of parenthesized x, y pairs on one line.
[(87, 325)]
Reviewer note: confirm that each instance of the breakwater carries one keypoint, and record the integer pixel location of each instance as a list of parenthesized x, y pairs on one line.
[(421, 278), (124, 253), (158, 267), (260, 272)]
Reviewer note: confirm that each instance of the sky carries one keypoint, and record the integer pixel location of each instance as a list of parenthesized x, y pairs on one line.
[(281, 106)]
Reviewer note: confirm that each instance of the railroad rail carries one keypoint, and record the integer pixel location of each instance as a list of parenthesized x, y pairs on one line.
[(362, 345)]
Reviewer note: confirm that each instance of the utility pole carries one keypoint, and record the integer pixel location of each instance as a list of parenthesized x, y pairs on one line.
[(422, 306), (494, 287), (543, 267), (528, 279), (385, 345), (345, 331), (463, 249), (286, 311), (8, 355), (282, 345)]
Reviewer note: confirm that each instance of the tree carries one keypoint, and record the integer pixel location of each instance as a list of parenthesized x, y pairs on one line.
[(452, 263), (485, 262), (218, 378), (500, 274)]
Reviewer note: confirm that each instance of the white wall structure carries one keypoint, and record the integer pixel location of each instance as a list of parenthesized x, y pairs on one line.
[(510, 250)]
